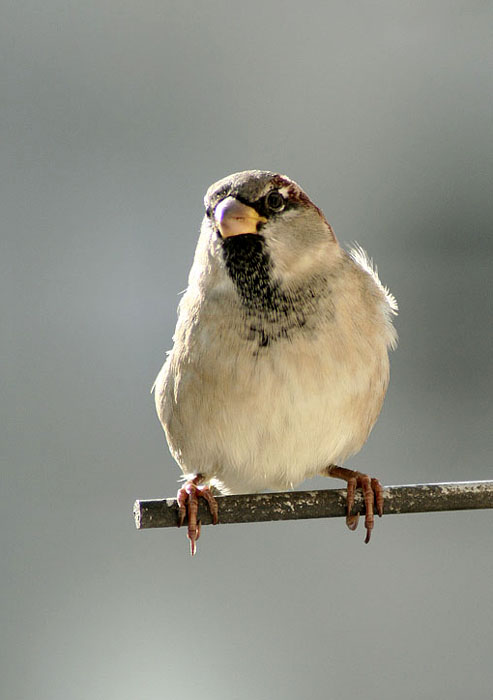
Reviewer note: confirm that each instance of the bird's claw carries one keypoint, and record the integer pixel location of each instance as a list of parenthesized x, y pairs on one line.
[(372, 494), (188, 507)]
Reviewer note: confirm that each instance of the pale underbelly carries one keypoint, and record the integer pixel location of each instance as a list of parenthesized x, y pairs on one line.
[(275, 423)]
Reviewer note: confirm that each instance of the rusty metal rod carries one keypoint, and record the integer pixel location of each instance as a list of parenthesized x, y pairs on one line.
[(326, 503)]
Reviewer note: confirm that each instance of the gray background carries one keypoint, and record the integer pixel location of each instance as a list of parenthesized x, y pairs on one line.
[(115, 117)]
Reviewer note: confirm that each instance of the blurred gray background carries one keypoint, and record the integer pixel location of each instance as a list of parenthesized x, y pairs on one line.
[(115, 117)]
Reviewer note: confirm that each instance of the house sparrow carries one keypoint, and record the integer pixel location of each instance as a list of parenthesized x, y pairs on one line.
[(280, 360)]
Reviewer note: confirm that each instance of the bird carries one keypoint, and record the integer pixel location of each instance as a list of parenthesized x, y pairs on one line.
[(280, 358)]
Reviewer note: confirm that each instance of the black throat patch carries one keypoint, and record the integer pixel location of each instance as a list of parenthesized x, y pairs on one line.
[(271, 313), (248, 264)]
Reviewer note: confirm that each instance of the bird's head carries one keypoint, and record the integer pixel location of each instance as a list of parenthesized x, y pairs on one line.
[(259, 219)]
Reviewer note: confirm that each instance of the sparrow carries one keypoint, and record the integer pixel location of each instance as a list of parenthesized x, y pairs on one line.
[(280, 361)]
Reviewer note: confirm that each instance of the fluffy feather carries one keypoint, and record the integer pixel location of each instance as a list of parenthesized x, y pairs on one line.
[(280, 360)]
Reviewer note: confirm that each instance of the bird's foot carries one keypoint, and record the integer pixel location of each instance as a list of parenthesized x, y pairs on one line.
[(372, 493), (188, 507)]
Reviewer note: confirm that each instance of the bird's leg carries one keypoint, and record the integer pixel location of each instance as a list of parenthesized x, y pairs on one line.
[(372, 493), (188, 506)]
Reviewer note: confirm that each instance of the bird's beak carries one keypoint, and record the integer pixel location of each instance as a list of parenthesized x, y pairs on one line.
[(234, 218)]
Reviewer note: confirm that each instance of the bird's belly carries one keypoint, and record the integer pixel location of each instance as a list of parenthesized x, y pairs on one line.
[(271, 420)]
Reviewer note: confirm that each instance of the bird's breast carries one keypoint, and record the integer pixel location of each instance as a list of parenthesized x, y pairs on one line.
[(263, 405)]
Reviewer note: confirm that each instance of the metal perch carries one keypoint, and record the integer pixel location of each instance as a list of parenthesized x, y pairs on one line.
[(301, 505)]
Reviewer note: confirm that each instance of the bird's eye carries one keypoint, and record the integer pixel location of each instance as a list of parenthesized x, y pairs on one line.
[(275, 201)]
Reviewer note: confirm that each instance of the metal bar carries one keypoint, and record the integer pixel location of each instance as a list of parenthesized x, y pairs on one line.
[(327, 503)]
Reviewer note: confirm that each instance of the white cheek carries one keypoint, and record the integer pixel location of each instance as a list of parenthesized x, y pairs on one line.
[(298, 246)]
